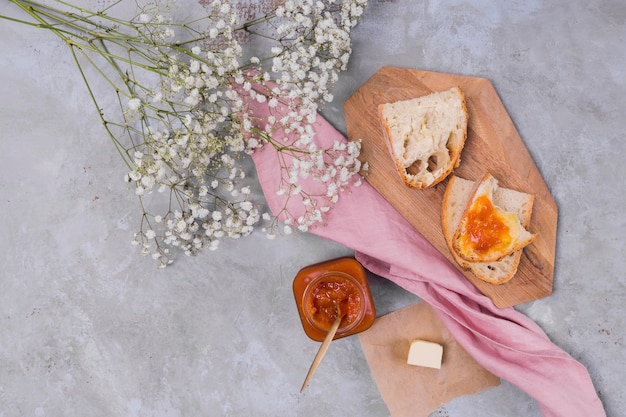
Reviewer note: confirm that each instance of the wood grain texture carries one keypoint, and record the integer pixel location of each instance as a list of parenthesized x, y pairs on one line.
[(493, 144)]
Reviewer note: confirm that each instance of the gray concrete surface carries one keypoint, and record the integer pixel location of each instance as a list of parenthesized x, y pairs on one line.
[(90, 328)]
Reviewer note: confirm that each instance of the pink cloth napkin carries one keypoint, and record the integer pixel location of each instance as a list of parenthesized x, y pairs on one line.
[(504, 341)]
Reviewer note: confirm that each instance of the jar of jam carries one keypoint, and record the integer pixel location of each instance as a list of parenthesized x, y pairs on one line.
[(324, 290)]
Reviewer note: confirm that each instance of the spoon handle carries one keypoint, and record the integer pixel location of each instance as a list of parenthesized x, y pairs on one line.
[(322, 351)]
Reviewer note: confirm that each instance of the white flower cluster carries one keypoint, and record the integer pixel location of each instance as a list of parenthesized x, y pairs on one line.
[(187, 91), (318, 47), (336, 168), (314, 175)]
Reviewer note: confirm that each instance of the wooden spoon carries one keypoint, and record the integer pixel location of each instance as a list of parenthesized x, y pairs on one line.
[(323, 348)]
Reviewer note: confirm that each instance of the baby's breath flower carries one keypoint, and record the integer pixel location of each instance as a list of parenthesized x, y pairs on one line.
[(185, 126), (134, 104)]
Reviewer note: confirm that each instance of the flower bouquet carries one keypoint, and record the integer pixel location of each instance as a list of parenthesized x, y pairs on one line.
[(180, 124)]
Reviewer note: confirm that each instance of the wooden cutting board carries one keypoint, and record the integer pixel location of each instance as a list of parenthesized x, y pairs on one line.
[(493, 144)]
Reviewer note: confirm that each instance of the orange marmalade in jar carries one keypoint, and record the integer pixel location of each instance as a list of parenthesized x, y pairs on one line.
[(324, 290)]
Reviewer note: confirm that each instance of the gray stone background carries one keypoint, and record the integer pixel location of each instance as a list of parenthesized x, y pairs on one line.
[(88, 327)]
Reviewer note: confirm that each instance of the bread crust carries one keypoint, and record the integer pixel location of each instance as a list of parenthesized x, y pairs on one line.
[(454, 150)]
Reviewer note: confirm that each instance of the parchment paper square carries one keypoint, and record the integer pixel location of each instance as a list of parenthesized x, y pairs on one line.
[(414, 391)]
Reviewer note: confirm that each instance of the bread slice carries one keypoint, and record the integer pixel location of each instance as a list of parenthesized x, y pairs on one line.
[(426, 135), (457, 194), (486, 232)]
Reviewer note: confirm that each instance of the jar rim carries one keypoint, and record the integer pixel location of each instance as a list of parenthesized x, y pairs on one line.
[(326, 277)]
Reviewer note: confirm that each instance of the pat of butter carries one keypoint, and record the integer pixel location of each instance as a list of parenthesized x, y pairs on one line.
[(423, 353)]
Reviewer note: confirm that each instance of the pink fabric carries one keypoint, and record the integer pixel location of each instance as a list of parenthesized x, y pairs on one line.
[(504, 341)]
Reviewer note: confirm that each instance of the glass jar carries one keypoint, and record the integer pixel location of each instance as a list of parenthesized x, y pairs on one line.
[(337, 286)]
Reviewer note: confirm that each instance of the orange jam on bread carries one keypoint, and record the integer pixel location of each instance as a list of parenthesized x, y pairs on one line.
[(488, 229)]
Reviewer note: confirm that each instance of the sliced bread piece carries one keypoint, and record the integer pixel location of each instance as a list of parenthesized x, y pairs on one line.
[(458, 192), (487, 232), (426, 135)]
